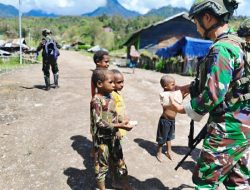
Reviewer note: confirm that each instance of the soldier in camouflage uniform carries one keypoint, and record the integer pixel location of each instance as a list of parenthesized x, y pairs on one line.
[(47, 62), (104, 130), (244, 31), (225, 152)]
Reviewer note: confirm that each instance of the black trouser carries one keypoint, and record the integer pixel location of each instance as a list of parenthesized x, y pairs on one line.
[(46, 67)]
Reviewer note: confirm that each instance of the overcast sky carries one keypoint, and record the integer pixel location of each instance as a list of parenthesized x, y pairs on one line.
[(77, 7)]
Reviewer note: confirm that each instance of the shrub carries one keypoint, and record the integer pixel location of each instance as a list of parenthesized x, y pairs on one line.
[(160, 65)]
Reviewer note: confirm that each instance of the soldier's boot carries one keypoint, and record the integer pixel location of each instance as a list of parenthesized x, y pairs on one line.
[(47, 83), (56, 77)]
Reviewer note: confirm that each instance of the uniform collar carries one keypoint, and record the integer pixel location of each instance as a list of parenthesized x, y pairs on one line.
[(226, 32)]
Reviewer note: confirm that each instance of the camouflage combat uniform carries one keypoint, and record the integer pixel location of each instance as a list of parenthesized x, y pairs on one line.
[(106, 143), (225, 153)]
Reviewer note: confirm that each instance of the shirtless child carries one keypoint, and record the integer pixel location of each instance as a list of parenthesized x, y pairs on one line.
[(166, 125)]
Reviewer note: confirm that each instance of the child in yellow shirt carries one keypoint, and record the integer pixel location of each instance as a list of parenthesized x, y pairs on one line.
[(118, 99)]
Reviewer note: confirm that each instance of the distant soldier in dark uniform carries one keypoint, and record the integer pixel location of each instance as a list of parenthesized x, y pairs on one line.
[(222, 92), (50, 53)]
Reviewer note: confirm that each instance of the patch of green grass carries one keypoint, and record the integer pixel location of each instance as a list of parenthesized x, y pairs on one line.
[(11, 63), (88, 54), (118, 53)]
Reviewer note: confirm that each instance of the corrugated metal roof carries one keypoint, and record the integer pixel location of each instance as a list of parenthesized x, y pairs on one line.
[(182, 14), (2, 42), (13, 43), (17, 41)]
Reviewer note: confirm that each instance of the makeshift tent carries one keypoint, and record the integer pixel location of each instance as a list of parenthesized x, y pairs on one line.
[(189, 48)]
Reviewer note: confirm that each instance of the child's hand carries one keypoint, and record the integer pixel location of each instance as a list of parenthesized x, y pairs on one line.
[(118, 135), (175, 105), (126, 120), (128, 127)]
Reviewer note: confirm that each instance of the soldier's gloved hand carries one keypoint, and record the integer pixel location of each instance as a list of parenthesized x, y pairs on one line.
[(36, 54), (194, 88)]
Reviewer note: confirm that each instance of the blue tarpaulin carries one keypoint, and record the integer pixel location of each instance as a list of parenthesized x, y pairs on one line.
[(187, 46)]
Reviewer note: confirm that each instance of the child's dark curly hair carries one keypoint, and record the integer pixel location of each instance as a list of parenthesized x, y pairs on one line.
[(115, 71), (99, 55), (99, 75)]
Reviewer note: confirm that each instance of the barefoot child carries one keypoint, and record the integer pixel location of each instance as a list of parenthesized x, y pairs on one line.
[(166, 125), (101, 60), (104, 125), (120, 109)]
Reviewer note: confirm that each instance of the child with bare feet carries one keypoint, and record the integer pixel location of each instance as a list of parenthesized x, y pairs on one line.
[(166, 125), (105, 126)]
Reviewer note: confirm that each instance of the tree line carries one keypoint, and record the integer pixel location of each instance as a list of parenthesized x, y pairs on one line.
[(90, 30)]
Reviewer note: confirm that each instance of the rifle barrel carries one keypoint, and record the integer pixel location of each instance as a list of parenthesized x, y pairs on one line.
[(183, 159), (195, 142)]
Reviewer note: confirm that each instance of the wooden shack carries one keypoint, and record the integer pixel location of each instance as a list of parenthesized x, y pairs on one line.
[(163, 33)]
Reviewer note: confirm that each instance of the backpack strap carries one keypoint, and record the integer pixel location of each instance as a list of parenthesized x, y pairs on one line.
[(241, 98), (243, 80)]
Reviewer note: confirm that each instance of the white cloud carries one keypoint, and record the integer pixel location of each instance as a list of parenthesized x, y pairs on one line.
[(62, 7), (77, 7), (146, 5)]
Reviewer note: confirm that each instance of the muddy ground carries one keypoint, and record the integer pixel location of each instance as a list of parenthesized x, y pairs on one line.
[(45, 139)]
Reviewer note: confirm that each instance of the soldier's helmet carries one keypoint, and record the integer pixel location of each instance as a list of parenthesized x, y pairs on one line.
[(244, 29), (46, 32), (222, 9)]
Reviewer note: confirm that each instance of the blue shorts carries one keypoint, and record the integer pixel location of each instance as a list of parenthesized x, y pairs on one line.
[(132, 64), (165, 131)]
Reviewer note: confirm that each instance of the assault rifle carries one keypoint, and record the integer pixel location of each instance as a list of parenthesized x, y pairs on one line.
[(193, 142)]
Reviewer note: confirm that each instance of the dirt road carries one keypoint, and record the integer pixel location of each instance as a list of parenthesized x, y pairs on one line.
[(45, 140)]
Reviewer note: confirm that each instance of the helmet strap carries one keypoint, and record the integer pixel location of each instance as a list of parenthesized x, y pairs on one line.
[(212, 27), (199, 19), (207, 30)]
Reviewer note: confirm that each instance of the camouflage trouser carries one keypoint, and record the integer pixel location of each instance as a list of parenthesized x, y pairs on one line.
[(222, 160), (46, 67), (110, 157)]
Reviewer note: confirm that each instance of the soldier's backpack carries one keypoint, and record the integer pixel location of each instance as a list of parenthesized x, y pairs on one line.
[(50, 49)]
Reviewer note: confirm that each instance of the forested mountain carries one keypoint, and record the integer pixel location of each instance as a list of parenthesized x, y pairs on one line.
[(113, 7), (11, 11), (8, 11), (39, 13), (166, 11), (89, 30)]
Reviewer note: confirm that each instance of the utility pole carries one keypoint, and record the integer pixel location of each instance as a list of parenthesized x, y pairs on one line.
[(20, 31), (29, 37)]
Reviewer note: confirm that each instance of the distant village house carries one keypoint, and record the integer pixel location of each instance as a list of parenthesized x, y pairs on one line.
[(163, 33)]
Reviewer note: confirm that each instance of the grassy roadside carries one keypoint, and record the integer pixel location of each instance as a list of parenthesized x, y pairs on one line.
[(12, 63)]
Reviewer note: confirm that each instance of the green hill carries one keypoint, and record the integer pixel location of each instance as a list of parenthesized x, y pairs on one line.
[(113, 7), (166, 11), (8, 11)]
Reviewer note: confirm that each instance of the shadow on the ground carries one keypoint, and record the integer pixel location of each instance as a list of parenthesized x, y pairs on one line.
[(79, 179), (183, 150), (151, 148), (40, 87), (154, 184)]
